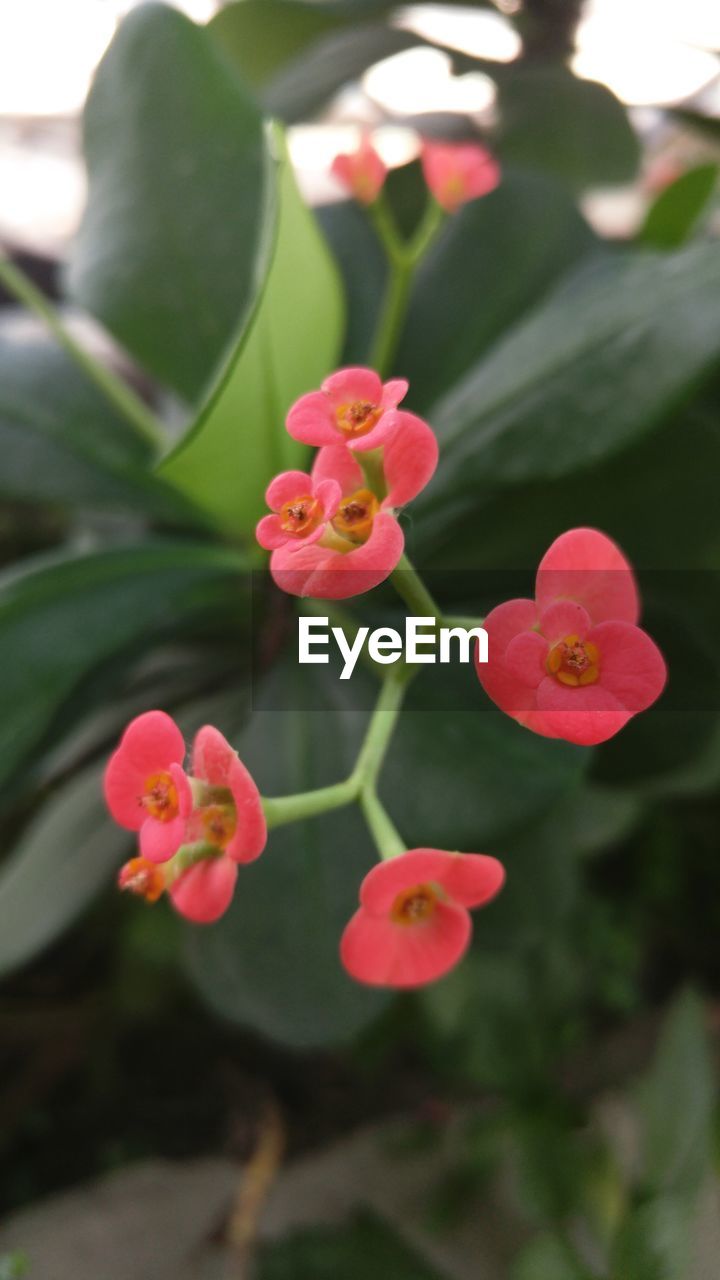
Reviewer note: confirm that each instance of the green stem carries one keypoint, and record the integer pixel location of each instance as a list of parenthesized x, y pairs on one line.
[(380, 728), (392, 315), (411, 588), (307, 804), (113, 388), (387, 838)]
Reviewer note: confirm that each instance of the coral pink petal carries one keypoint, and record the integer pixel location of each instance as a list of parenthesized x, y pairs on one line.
[(584, 716), (632, 667), (215, 762), (564, 618), (382, 954), (329, 493), (312, 421), (204, 892), (286, 487), (393, 392), (587, 566), (410, 458), (333, 575), (380, 434), (160, 840), (152, 742), (350, 385), (512, 694), (468, 878), (269, 533), (124, 787), (525, 658), (336, 462)]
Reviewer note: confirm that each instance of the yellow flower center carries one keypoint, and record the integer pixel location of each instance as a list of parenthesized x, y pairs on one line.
[(301, 516), (357, 418), (574, 661), (142, 878), (355, 515), (415, 905), (160, 797), (219, 823)]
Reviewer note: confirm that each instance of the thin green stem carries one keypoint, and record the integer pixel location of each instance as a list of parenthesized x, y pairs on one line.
[(113, 388), (380, 728), (387, 838), (412, 590), (282, 809), (392, 315)]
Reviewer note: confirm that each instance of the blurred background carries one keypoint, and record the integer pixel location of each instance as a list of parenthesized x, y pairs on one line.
[(177, 1103)]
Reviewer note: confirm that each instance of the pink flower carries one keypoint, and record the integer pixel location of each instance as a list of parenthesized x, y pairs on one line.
[(572, 663), (226, 828), (457, 172), (352, 406), (358, 549), (361, 171), (146, 789), (408, 461), (303, 506), (413, 924)]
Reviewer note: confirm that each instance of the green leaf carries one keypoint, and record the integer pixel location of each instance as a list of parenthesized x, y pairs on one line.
[(60, 620), (262, 35), (239, 441), (304, 85), (546, 1258), (576, 129), (60, 441), (484, 273), (272, 962), (678, 1101), (605, 359), (360, 1248), (67, 854), (460, 773), (676, 212), (168, 251)]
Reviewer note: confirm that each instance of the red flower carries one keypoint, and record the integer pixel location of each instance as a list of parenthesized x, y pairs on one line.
[(362, 171), (226, 828), (572, 663), (408, 462), (413, 924), (457, 172), (353, 407), (302, 506), (146, 789)]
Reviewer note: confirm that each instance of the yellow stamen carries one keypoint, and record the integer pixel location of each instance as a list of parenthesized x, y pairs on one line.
[(415, 905), (300, 516), (355, 515), (357, 418), (160, 797), (574, 662)]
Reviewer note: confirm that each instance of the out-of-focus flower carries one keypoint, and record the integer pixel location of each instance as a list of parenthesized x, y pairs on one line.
[(457, 172), (361, 171), (146, 788), (572, 663), (143, 878), (353, 407), (413, 924), (302, 505)]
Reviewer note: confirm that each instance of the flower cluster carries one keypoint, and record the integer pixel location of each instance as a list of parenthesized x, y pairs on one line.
[(194, 829), (334, 532), (455, 172)]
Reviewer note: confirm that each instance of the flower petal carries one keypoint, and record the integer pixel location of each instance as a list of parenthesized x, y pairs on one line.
[(150, 744), (204, 892), (583, 715), (632, 667), (409, 458), (382, 954), (336, 462), (161, 840), (586, 566), (564, 618), (269, 533), (355, 383), (286, 487), (525, 658), (333, 575), (312, 421), (511, 693), (215, 762), (469, 879), (393, 392)]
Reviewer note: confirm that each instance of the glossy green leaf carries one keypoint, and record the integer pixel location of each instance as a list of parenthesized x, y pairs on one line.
[(60, 441), (678, 1101), (676, 212), (239, 441), (60, 620), (67, 854), (272, 962), (604, 360), (576, 129), (169, 252), (485, 272)]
